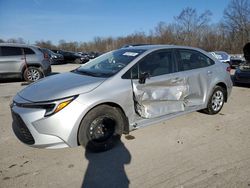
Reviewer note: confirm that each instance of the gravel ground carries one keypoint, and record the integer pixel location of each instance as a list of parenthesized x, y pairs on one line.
[(194, 150)]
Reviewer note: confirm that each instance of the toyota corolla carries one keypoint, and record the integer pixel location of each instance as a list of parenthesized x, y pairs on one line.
[(117, 92)]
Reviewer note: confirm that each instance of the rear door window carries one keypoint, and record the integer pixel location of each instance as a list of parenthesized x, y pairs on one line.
[(28, 51), (191, 59), (10, 51)]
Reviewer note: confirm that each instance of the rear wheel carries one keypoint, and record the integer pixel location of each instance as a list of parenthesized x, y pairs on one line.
[(32, 74), (101, 128), (216, 101), (78, 61)]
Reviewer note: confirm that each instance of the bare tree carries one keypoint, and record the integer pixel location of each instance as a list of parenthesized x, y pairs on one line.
[(45, 44), (16, 40), (237, 21), (189, 26)]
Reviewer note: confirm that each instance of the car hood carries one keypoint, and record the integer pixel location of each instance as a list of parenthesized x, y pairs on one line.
[(60, 86)]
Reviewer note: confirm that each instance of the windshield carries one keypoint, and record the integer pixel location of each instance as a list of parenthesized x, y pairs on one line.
[(110, 63)]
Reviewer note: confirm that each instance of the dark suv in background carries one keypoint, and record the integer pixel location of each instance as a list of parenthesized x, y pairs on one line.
[(69, 57), (55, 58), (23, 61)]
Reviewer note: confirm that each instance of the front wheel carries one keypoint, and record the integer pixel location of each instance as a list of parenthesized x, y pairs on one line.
[(216, 101), (101, 128)]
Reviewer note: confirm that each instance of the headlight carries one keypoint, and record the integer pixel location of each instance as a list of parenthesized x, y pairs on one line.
[(50, 107)]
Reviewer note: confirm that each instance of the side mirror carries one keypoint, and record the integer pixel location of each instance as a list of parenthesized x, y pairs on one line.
[(143, 77)]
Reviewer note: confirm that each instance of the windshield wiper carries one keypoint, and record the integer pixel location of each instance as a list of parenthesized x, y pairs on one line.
[(84, 72)]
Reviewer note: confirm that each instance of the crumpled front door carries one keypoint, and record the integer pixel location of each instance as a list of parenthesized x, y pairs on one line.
[(160, 95)]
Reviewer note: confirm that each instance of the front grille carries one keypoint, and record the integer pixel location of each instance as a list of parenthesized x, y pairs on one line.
[(20, 129)]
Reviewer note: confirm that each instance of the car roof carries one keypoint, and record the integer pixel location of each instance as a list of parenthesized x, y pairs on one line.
[(220, 52), (160, 46), (18, 45)]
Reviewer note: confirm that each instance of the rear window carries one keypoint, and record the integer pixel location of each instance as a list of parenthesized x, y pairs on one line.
[(10, 51), (28, 51)]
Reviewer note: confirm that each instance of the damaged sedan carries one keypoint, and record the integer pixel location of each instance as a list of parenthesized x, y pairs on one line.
[(117, 92)]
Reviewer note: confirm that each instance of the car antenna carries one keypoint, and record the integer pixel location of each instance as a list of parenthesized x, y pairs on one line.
[(26, 66)]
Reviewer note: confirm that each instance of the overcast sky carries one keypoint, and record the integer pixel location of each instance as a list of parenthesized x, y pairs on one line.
[(82, 20)]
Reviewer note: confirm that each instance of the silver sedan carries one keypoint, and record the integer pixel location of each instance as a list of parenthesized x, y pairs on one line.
[(117, 92)]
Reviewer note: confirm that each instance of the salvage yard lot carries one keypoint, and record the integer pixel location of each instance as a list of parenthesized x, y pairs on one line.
[(194, 150)]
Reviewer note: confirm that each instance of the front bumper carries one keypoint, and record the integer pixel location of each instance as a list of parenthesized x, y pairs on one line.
[(20, 129), (56, 131)]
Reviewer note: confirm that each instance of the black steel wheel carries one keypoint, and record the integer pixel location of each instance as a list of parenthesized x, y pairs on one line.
[(101, 128)]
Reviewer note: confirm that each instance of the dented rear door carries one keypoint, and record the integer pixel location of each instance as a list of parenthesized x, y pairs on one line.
[(197, 69)]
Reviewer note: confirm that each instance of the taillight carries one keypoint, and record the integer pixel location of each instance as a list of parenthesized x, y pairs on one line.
[(228, 69), (46, 56)]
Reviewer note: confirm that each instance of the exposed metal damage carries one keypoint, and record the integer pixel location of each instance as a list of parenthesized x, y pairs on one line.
[(156, 99)]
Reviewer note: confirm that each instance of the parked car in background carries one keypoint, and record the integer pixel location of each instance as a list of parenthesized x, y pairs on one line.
[(236, 60), (117, 92), (93, 55), (70, 57), (223, 57), (242, 74), (89, 55), (84, 57), (55, 58), (23, 61)]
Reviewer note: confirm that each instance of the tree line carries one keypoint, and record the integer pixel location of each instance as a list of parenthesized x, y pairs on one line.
[(188, 28)]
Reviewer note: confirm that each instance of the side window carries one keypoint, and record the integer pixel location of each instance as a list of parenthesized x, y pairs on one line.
[(191, 59), (28, 51), (10, 51), (156, 64)]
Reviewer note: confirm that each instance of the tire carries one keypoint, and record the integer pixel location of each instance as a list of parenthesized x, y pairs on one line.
[(77, 61), (101, 128), (32, 74), (216, 101)]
